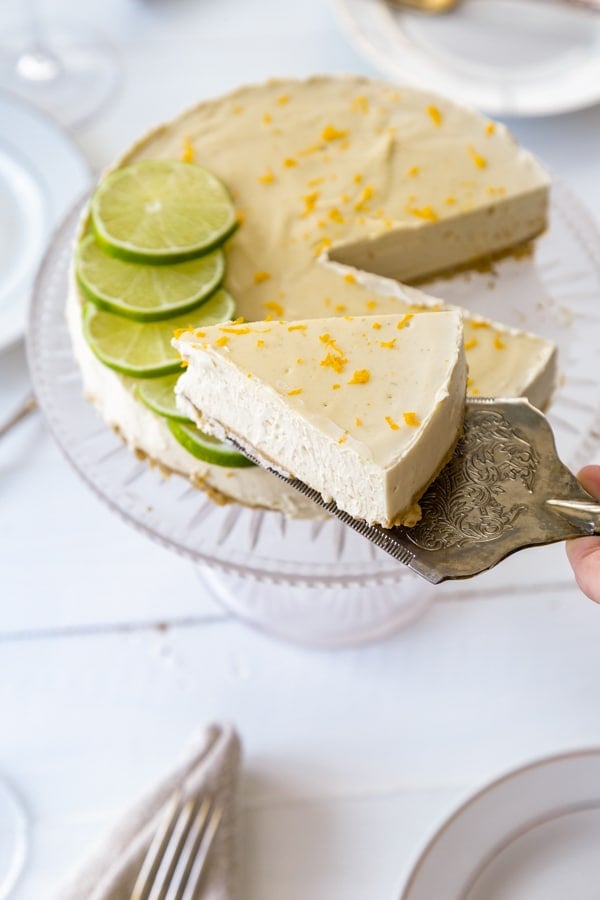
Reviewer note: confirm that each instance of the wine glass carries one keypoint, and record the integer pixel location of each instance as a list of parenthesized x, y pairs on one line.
[(13, 838), (66, 69)]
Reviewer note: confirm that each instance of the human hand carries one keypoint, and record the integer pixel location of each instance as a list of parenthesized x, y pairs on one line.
[(584, 553)]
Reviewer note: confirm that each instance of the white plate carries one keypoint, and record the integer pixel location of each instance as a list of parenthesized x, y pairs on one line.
[(507, 57), (532, 835), (42, 173)]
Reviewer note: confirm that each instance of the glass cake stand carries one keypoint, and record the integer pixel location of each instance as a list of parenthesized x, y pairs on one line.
[(317, 582)]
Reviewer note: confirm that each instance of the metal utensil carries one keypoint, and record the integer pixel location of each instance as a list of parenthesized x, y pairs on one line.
[(435, 7), (504, 489), (177, 856)]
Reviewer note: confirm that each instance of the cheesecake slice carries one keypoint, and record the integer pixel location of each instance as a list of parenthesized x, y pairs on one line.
[(364, 409)]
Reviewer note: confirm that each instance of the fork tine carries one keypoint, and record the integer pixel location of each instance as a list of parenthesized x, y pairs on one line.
[(189, 851), (202, 854), (172, 852), (155, 850)]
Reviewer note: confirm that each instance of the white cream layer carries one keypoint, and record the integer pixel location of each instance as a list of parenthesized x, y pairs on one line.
[(364, 410)]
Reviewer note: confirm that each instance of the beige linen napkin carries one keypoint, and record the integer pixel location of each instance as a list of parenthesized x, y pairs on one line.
[(110, 871)]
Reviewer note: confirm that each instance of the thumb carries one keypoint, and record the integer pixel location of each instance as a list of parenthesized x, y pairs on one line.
[(584, 553)]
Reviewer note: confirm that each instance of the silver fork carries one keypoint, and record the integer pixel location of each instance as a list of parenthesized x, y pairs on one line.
[(177, 857)]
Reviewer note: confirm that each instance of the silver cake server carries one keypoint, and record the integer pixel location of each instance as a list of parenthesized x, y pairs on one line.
[(504, 489)]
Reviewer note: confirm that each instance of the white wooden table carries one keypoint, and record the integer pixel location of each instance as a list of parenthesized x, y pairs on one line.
[(112, 654)]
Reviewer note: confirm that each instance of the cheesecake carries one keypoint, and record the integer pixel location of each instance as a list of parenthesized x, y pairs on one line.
[(365, 409), (345, 189)]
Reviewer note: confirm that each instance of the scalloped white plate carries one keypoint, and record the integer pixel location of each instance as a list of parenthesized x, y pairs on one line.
[(531, 835), (507, 57), (42, 173)]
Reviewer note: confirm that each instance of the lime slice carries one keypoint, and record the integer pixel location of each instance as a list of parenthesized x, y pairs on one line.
[(142, 292), (207, 448), (143, 349), (158, 394), (161, 211)]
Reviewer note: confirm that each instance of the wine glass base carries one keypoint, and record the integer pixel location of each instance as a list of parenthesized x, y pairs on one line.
[(321, 617), (13, 839), (70, 73)]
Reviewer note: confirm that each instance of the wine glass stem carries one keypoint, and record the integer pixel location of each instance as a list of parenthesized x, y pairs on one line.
[(37, 62)]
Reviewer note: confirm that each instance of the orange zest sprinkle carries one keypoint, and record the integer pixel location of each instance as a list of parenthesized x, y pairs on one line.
[(498, 342), (275, 307), (188, 154), (388, 344), (199, 333), (343, 439), (235, 329), (335, 361), (393, 425), (340, 308), (322, 245), (360, 104), (350, 278), (178, 332), (222, 341), (314, 182), (480, 323), (289, 162), (423, 212), (435, 115), (480, 161), (267, 178), (411, 418), (240, 217), (184, 363), (267, 118), (490, 128), (310, 201), (376, 326), (299, 361), (312, 148), (413, 171), (295, 392), (361, 376), (371, 304), (330, 133), (259, 277), (335, 215), (357, 178), (404, 321), (238, 110), (364, 198), (450, 201), (358, 422), (260, 343), (283, 99), (300, 327), (470, 344), (325, 338), (335, 387)]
